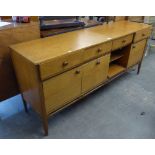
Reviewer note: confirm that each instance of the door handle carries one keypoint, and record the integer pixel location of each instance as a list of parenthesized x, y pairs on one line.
[(99, 50), (123, 41), (98, 62), (77, 71), (65, 63)]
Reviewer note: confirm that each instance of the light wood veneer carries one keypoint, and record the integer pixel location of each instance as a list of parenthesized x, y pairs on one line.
[(56, 71)]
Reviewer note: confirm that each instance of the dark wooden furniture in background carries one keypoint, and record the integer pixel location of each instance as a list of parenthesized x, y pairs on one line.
[(139, 19), (12, 34), (62, 24)]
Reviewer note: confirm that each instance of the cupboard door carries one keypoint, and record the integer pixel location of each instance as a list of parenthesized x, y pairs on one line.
[(62, 89), (95, 72), (136, 53)]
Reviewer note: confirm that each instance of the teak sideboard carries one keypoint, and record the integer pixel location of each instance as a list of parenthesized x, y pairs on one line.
[(55, 72)]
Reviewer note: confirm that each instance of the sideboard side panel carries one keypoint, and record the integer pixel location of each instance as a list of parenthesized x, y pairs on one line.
[(28, 81)]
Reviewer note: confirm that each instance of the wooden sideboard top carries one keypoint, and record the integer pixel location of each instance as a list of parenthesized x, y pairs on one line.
[(44, 49)]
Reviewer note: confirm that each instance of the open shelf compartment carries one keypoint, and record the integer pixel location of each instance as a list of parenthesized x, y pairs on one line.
[(115, 69), (118, 61), (115, 56)]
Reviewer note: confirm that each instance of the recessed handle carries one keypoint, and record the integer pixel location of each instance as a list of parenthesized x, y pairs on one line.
[(99, 50), (65, 63), (143, 35), (77, 71), (98, 62)]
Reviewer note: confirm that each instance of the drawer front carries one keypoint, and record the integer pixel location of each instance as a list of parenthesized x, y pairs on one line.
[(136, 52), (95, 72), (121, 42), (140, 35), (60, 64), (62, 89), (97, 50)]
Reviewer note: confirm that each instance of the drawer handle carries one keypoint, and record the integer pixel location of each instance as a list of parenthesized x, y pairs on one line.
[(123, 41), (65, 63), (98, 62), (143, 35), (133, 46), (99, 50), (77, 71)]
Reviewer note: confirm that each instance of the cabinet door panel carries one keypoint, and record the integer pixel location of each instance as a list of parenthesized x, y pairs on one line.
[(95, 72), (62, 89), (136, 52)]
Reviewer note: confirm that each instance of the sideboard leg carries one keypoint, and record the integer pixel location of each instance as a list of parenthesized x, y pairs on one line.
[(139, 67), (45, 126), (25, 105)]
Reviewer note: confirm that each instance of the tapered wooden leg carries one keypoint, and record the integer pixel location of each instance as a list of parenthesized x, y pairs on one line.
[(25, 105), (45, 126), (139, 67), (133, 69)]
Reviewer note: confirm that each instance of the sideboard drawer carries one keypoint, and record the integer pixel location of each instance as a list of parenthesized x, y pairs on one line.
[(62, 89), (121, 42), (97, 50), (60, 64), (142, 34)]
